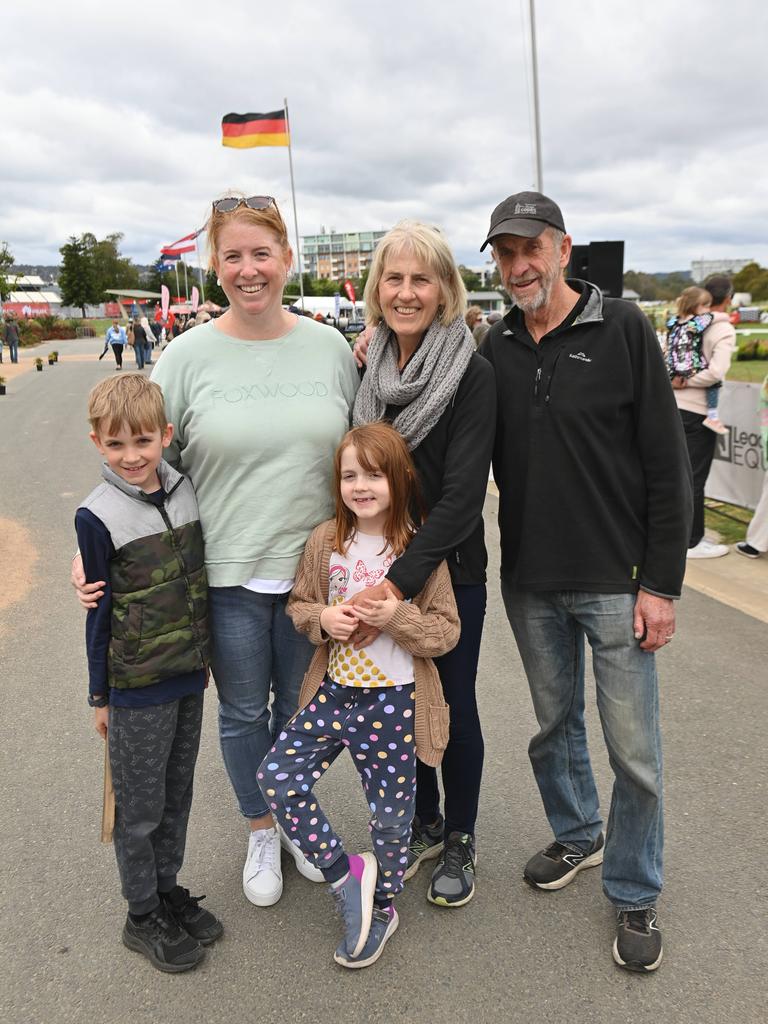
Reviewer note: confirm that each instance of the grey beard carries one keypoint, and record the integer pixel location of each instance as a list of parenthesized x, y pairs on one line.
[(537, 301)]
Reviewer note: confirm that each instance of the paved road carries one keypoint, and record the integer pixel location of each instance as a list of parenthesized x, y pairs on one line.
[(510, 955)]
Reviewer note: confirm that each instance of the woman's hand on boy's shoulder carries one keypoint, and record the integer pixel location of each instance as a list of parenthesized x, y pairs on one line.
[(88, 594)]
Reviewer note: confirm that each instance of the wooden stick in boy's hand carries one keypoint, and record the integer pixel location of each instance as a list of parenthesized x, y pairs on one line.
[(108, 807)]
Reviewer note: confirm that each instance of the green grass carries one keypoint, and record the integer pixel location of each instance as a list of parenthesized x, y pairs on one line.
[(751, 370), (730, 521)]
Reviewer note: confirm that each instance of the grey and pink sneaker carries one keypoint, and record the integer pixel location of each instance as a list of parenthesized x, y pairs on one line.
[(383, 925), (354, 901)]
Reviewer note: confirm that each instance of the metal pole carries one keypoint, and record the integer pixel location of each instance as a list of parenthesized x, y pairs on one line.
[(295, 216), (186, 282), (200, 268), (536, 125), (176, 268)]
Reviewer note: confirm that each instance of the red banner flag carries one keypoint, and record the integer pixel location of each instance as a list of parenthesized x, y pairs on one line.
[(170, 250), (349, 289)]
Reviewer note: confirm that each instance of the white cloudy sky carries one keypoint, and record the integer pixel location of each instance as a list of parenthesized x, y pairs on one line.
[(653, 117)]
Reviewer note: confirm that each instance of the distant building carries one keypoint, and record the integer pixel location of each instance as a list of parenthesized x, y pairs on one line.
[(489, 302), (485, 273), (702, 269), (32, 296), (333, 255)]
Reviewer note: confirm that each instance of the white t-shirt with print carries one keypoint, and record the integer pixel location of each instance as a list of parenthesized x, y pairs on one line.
[(382, 663)]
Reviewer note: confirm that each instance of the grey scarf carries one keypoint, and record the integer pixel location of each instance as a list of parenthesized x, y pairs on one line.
[(424, 387)]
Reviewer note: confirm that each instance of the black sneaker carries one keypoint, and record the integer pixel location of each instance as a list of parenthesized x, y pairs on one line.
[(453, 880), (638, 940), (163, 942), (426, 843), (200, 924), (556, 866), (747, 550)]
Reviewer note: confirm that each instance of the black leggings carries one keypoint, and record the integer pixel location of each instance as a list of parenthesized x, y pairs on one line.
[(118, 350), (462, 766), (701, 443)]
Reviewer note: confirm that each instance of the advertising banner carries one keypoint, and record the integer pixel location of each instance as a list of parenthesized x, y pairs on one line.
[(739, 463)]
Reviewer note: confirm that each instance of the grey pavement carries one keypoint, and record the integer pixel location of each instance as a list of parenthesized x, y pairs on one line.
[(511, 955)]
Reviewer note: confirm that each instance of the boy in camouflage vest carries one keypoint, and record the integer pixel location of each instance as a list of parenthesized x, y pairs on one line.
[(147, 643)]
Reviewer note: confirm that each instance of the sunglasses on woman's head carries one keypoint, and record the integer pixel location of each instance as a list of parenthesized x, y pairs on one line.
[(230, 203)]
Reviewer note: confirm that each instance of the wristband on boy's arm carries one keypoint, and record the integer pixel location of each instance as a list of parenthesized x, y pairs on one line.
[(98, 700)]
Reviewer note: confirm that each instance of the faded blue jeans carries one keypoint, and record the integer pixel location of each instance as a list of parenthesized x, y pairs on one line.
[(550, 628), (257, 654)]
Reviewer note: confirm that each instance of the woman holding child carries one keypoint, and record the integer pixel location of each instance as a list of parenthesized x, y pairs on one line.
[(259, 399), (424, 375)]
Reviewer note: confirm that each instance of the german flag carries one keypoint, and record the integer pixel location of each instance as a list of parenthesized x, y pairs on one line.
[(246, 130)]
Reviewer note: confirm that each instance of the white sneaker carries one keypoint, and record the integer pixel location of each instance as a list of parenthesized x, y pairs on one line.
[(304, 866), (262, 876), (706, 549)]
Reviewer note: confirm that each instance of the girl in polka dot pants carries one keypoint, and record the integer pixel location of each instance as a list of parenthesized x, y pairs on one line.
[(383, 703)]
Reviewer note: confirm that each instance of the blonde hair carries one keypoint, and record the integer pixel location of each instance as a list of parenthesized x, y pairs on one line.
[(269, 218), (429, 246), (690, 299), (378, 446), (131, 400)]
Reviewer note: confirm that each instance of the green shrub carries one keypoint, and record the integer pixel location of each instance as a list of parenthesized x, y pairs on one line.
[(47, 321), (30, 333)]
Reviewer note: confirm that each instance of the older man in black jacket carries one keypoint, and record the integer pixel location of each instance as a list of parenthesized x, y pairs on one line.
[(595, 508)]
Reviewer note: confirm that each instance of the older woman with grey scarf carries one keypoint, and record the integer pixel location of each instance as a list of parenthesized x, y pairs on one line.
[(424, 376)]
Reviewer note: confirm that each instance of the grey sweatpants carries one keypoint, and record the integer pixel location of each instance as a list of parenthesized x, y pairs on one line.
[(152, 753)]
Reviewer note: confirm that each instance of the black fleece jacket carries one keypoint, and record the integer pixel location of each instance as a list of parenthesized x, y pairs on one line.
[(590, 458), (453, 464)]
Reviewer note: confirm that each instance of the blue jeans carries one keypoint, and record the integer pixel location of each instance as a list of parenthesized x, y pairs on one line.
[(138, 351), (550, 628), (13, 348), (256, 654)]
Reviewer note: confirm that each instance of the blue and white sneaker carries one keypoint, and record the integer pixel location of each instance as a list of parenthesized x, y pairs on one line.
[(383, 925), (354, 901)]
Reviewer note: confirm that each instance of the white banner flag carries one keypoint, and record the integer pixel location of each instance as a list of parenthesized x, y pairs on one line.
[(739, 464)]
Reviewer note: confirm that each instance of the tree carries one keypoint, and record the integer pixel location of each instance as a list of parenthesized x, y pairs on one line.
[(77, 279), (214, 292), (110, 269), (6, 262), (753, 279), (472, 281)]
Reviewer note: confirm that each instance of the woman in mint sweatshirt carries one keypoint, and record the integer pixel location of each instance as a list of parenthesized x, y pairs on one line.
[(259, 400)]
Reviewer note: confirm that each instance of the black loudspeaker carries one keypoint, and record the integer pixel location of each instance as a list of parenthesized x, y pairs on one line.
[(602, 263)]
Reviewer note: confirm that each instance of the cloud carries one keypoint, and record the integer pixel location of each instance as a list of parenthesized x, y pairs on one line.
[(651, 120)]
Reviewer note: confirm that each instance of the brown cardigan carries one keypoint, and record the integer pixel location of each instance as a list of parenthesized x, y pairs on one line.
[(426, 627)]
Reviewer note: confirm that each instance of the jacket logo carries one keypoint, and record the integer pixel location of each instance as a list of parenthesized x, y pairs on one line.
[(580, 356), (525, 208)]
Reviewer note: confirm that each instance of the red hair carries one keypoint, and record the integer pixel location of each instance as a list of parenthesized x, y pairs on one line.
[(380, 447)]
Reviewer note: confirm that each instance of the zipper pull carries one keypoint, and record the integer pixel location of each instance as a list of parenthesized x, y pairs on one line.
[(536, 384)]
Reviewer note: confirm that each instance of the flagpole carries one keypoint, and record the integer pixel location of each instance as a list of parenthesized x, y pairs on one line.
[(536, 119), (293, 193), (176, 268), (200, 267), (186, 282)]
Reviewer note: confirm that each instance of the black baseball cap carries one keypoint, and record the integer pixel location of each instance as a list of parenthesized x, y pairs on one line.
[(525, 214)]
